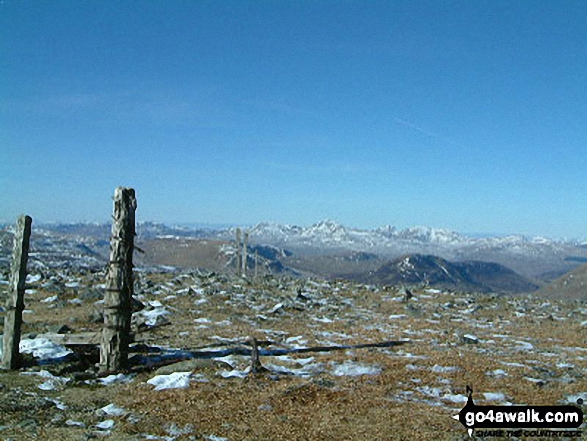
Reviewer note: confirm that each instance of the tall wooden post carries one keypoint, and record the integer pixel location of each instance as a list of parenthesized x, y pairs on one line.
[(238, 252), (244, 262), (15, 299), (119, 284)]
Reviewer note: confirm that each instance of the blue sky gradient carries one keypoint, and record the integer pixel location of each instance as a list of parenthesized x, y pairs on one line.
[(457, 114)]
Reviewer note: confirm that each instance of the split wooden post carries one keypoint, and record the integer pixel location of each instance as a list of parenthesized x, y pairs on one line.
[(119, 284), (244, 262), (15, 300), (238, 252)]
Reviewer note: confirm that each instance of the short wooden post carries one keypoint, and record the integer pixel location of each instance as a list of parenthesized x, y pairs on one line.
[(238, 252), (256, 366), (15, 299), (119, 284)]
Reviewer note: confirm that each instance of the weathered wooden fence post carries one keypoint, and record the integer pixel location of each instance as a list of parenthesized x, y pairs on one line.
[(15, 299), (244, 262), (119, 284), (238, 252)]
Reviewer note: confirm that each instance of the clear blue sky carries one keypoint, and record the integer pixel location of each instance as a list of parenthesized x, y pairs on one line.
[(468, 115)]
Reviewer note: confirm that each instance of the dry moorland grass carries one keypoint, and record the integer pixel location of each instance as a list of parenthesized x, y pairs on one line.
[(540, 347)]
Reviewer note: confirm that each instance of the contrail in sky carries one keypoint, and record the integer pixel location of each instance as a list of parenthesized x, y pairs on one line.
[(427, 132)]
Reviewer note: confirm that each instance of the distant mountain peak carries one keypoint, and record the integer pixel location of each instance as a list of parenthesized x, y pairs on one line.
[(327, 226), (441, 273)]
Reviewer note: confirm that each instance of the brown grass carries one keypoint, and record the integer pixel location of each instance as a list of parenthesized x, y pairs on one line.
[(391, 405)]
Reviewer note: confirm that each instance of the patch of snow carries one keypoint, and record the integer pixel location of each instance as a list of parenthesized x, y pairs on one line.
[(176, 380), (494, 396), (322, 320), (276, 308), (152, 315), (298, 341), (455, 398), (32, 278), (289, 359), (437, 369), (57, 403), (52, 382), (576, 398), (174, 430), (534, 380), (523, 346), (215, 438), (111, 410), (349, 368), (116, 378), (43, 348), (235, 373), (514, 364), (105, 425), (497, 373), (305, 371), (202, 320)]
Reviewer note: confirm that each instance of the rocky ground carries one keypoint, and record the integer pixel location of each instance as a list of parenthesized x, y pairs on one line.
[(518, 350)]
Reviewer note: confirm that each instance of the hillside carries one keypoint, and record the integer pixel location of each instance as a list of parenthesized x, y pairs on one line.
[(572, 285), (473, 276)]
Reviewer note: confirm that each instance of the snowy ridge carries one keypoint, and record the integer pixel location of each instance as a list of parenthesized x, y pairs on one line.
[(530, 256), (328, 233)]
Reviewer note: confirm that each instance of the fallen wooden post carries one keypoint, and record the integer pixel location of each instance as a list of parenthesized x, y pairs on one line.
[(15, 300), (162, 359), (119, 284)]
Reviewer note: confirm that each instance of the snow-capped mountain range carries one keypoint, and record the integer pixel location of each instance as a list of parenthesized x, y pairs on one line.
[(331, 234), (532, 256)]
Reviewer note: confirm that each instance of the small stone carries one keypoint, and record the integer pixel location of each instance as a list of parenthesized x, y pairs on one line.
[(469, 339), (60, 329)]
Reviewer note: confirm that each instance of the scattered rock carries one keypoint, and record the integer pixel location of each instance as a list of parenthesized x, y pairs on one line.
[(469, 339), (60, 329)]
